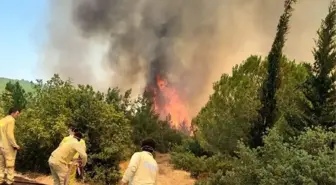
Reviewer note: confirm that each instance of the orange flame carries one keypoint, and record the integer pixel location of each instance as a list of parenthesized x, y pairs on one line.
[(167, 102)]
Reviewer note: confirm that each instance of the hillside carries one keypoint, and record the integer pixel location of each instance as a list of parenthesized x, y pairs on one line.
[(24, 83)]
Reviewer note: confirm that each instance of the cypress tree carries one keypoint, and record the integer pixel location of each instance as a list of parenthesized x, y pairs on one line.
[(13, 96), (268, 111), (320, 87)]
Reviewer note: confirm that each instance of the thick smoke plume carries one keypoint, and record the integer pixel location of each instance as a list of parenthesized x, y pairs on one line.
[(190, 42)]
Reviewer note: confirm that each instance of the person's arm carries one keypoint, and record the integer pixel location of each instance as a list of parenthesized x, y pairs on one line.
[(82, 153), (131, 169), (83, 143), (10, 134)]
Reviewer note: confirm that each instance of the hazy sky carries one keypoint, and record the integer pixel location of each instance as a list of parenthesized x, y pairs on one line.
[(23, 32), (20, 35)]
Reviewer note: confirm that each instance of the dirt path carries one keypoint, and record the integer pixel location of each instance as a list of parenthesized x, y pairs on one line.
[(170, 176), (167, 175)]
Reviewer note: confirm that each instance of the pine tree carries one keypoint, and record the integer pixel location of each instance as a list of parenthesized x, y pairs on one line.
[(320, 87), (13, 96), (268, 111)]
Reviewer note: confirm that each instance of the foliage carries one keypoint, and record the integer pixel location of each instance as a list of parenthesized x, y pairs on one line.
[(54, 107), (232, 105), (190, 156), (146, 123), (26, 85), (269, 110), (13, 96), (279, 162), (199, 166), (111, 122), (121, 102), (1, 110), (319, 105), (232, 108), (193, 146), (229, 145)]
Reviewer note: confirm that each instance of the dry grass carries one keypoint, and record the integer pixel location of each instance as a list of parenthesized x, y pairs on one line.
[(167, 175)]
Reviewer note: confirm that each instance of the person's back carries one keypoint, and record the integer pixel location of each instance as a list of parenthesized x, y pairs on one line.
[(147, 170), (62, 156), (143, 168), (66, 139), (69, 138), (65, 152)]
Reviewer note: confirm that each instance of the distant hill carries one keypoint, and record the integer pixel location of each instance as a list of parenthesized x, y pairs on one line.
[(24, 83)]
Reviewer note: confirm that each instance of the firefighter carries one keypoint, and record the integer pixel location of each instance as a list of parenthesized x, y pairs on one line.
[(74, 164), (71, 133), (8, 146), (63, 155), (143, 168)]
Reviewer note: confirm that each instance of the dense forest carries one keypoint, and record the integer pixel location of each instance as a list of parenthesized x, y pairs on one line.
[(272, 121)]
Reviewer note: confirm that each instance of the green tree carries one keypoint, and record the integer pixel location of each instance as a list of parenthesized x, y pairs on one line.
[(55, 106), (146, 123), (122, 102), (319, 105), (107, 133), (1, 109), (44, 123), (306, 159), (231, 109), (268, 112), (13, 96)]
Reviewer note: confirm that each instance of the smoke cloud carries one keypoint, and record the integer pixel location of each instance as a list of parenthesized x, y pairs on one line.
[(192, 42)]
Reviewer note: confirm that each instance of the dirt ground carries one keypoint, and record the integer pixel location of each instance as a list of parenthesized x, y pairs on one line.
[(167, 175)]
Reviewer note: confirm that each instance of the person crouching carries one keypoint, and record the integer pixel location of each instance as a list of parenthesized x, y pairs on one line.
[(62, 156)]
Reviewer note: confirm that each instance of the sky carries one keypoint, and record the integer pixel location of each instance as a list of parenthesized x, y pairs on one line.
[(21, 33)]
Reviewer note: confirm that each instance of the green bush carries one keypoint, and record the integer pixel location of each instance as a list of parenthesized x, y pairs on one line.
[(54, 107), (192, 145), (199, 165), (145, 123), (110, 122), (307, 159)]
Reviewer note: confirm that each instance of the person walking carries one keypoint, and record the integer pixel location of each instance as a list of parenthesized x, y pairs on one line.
[(143, 168)]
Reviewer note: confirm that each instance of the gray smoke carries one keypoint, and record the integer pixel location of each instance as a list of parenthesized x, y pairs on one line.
[(190, 42)]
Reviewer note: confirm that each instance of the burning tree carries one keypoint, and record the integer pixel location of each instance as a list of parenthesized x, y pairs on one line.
[(168, 103)]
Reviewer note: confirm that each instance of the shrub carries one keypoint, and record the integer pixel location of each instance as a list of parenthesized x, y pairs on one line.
[(57, 105), (145, 123), (199, 166), (280, 162)]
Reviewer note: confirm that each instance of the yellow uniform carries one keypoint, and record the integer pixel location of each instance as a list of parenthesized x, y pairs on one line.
[(62, 156), (142, 169), (7, 151), (72, 173)]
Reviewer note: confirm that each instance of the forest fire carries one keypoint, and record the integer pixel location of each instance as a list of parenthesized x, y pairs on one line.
[(168, 104)]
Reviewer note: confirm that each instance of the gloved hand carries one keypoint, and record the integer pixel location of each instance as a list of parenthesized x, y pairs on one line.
[(79, 162)]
